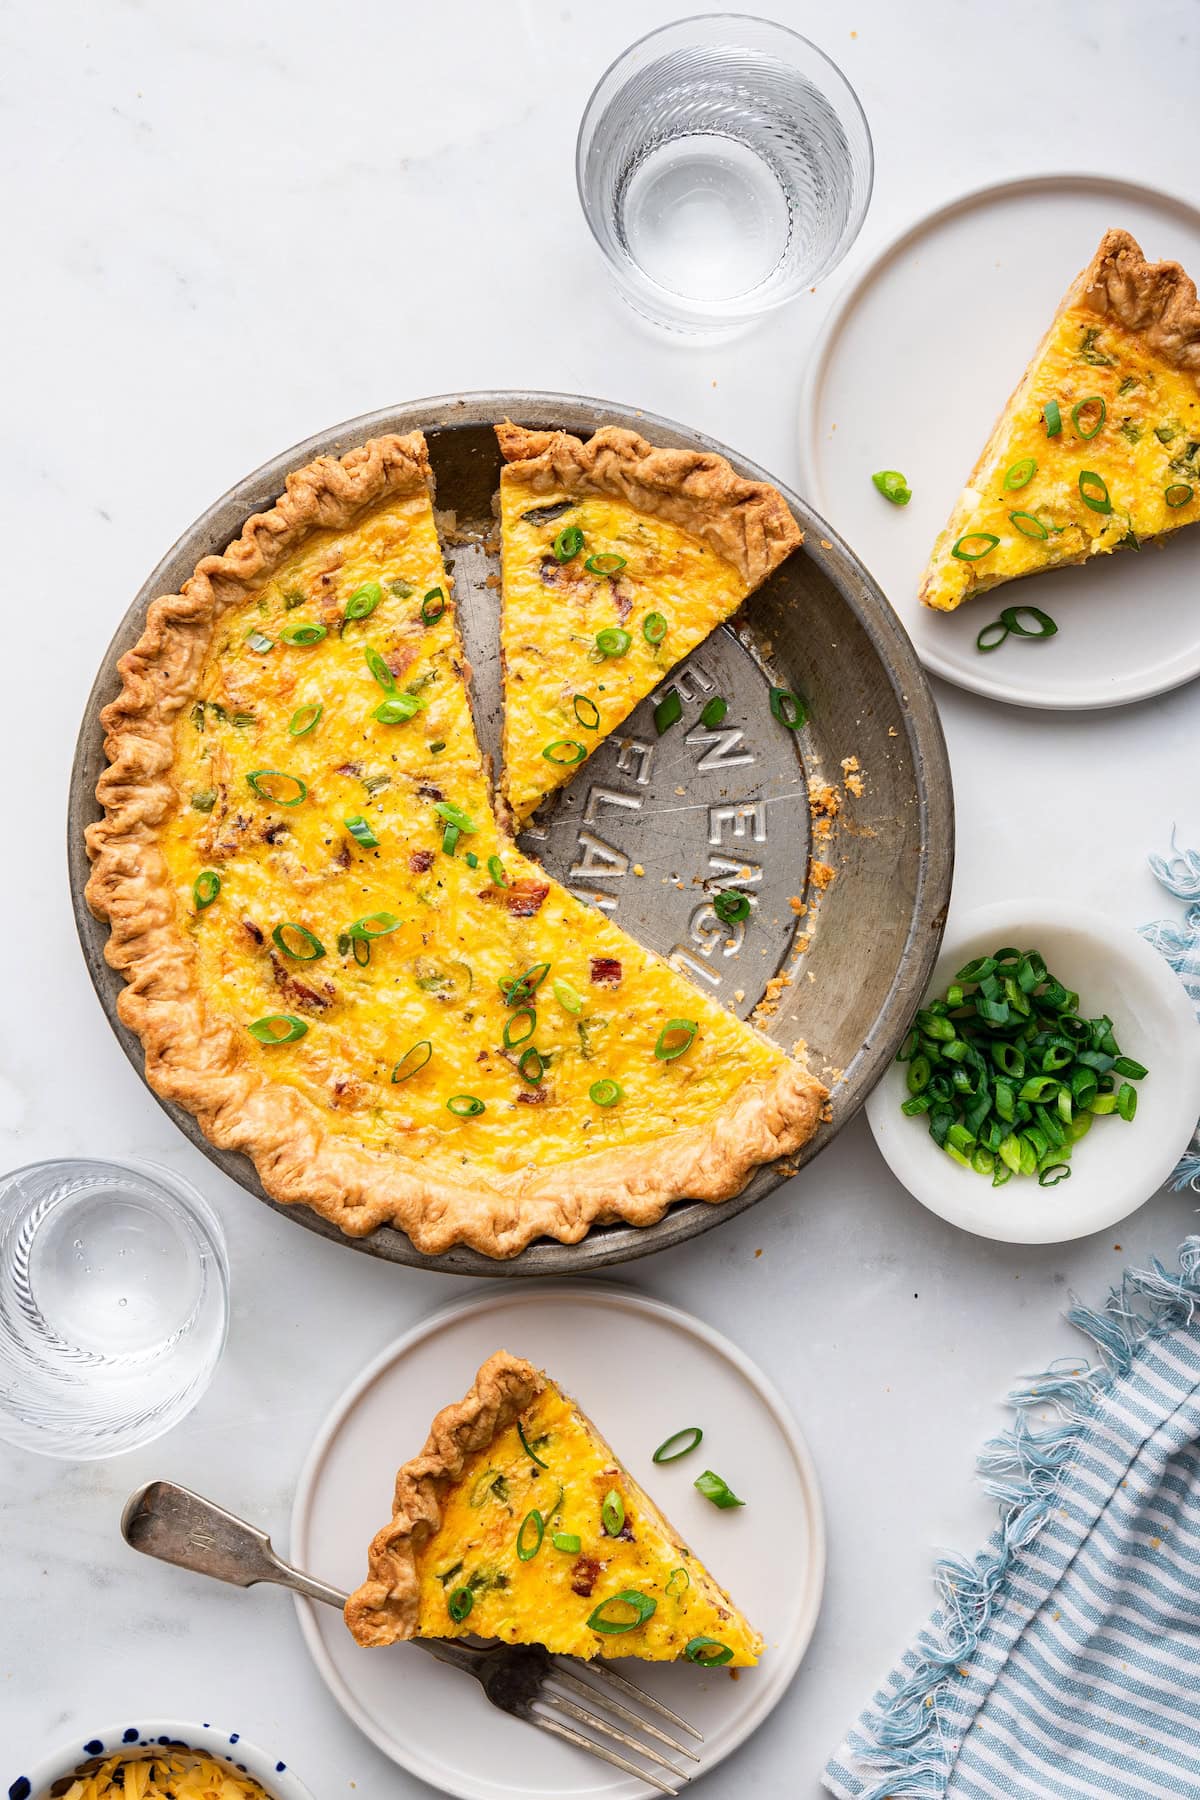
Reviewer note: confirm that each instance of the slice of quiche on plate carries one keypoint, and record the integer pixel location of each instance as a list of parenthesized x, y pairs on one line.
[(618, 558), (517, 1522), (338, 961), (1099, 446)]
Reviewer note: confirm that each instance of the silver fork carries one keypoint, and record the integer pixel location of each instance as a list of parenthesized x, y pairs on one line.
[(180, 1527)]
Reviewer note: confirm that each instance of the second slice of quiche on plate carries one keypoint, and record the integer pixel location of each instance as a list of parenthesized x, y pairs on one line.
[(517, 1522), (1099, 446), (619, 557)]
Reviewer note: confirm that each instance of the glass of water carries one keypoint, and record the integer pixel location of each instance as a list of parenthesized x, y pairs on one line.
[(724, 165), (114, 1304)]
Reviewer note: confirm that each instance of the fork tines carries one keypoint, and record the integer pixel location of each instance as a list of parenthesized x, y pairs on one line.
[(602, 1691)]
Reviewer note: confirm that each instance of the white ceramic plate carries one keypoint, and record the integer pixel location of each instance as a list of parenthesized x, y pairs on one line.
[(1118, 1165), (643, 1370), (916, 361)]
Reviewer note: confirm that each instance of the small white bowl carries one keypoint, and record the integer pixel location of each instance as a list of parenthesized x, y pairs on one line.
[(136, 1732), (1118, 1165)]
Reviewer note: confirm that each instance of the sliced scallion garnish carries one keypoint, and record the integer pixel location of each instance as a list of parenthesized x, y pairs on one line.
[(531, 1066), (523, 988), (568, 543), (1077, 411), (454, 815), (514, 1038), (465, 1106), (460, 1603), (297, 941), (714, 712), (304, 718), (302, 635), (278, 1028), (668, 712), (397, 710), (565, 752), (413, 1060), (363, 600), (258, 640), (672, 1448), (586, 712), (496, 871), (788, 708), (567, 1542), (275, 786), (612, 1513), (1178, 494), (613, 641), (987, 540), (1028, 525), (730, 906), (205, 888), (530, 1542), (1020, 474), (450, 837), (379, 668), (641, 1605), (374, 925), (654, 628), (1013, 619), (892, 486), (717, 1490), (676, 1036), (605, 1092), (708, 1652), (569, 998), (1093, 491), (433, 606), (530, 1452), (606, 563), (1052, 418), (358, 828), (676, 1586)]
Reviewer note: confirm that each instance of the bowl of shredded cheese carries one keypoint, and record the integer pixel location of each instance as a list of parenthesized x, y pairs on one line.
[(158, 1759)]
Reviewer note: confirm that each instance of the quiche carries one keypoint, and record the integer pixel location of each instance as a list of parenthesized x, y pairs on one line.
[(1100, 444), (618, 558), (336, 958), (517, 1522)]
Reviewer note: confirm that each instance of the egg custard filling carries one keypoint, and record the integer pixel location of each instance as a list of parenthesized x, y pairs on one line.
[(339, 961), (1099, 446), (518, 1522), (618, 559)]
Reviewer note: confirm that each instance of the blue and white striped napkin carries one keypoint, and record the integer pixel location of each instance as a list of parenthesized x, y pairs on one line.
[(1063, 1662)]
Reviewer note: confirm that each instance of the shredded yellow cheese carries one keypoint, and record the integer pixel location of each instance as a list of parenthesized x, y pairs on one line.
[(164, 1775)]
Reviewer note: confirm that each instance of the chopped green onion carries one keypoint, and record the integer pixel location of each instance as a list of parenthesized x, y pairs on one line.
[(718, 1491), (1020, 474), (1028, 525), (1093, 491), (987, 640), (460, 1603), (304, 718), (567, 1542), (205, 888), (513, 1038), (1012, 617), (667, 1451), (605, 1092), (675, 1037), (612, 641), (565, 752), (433, 606), (606, 563), (654, 628), (986, 539), (529, 1451), (471, 860), (363, 600), (518, 992), (413, 1060), (302, 635), (379, 668), (308, 949), (714, 712), (496, 871), (1126, 1100), (397, 710), (465, 1106), (293, 790), (1052, 417), (358, 828), (375, 925), (892, 486), (450, 837), (587, 712), (568, 543), (454, 815), (1053, 1174), (788, 708), (1077, 409), (730, 906), (1178, 494), (204, 800), (612, 1513), (708, 1652), (642, 1605), (436, 748), (569, 998), (258, 640), (668, 712), (527, 1548), (278, 1028), (675, 1587), (531, 1066), (1134, 1071)]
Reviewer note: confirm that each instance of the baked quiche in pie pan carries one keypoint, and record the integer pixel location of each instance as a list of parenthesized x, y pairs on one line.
[(510, 834)]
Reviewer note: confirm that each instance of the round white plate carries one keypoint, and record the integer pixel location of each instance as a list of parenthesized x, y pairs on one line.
[(642, 1369), (914, 365), (1118, 1165)]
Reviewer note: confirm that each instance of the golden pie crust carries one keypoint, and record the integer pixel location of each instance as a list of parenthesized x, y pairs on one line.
[(201, 1061)]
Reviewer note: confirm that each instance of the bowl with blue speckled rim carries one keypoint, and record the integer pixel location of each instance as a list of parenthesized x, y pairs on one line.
[(138, 1737), (856, 957)]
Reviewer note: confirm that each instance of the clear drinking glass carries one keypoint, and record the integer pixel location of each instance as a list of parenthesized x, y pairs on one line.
[(114, 1304), (724, 165)]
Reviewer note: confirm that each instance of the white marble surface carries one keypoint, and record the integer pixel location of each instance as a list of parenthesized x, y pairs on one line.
[(228, 226)]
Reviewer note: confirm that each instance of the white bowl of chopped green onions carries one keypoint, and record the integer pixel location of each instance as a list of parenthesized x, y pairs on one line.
[(1050, 1080)]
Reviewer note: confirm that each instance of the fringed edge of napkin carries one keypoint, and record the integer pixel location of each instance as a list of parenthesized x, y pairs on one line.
[(1179, 873), (904, 1737)]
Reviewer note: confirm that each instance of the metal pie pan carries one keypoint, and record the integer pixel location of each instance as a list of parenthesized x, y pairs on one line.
[(650, 819)]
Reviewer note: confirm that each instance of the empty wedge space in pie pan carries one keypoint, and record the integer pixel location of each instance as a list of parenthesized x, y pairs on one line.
[(843, 831)]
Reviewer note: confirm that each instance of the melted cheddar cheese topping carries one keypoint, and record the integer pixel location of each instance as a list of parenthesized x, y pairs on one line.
[(650, 583), (1124, 465), (370, 906), (496, 1544)]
